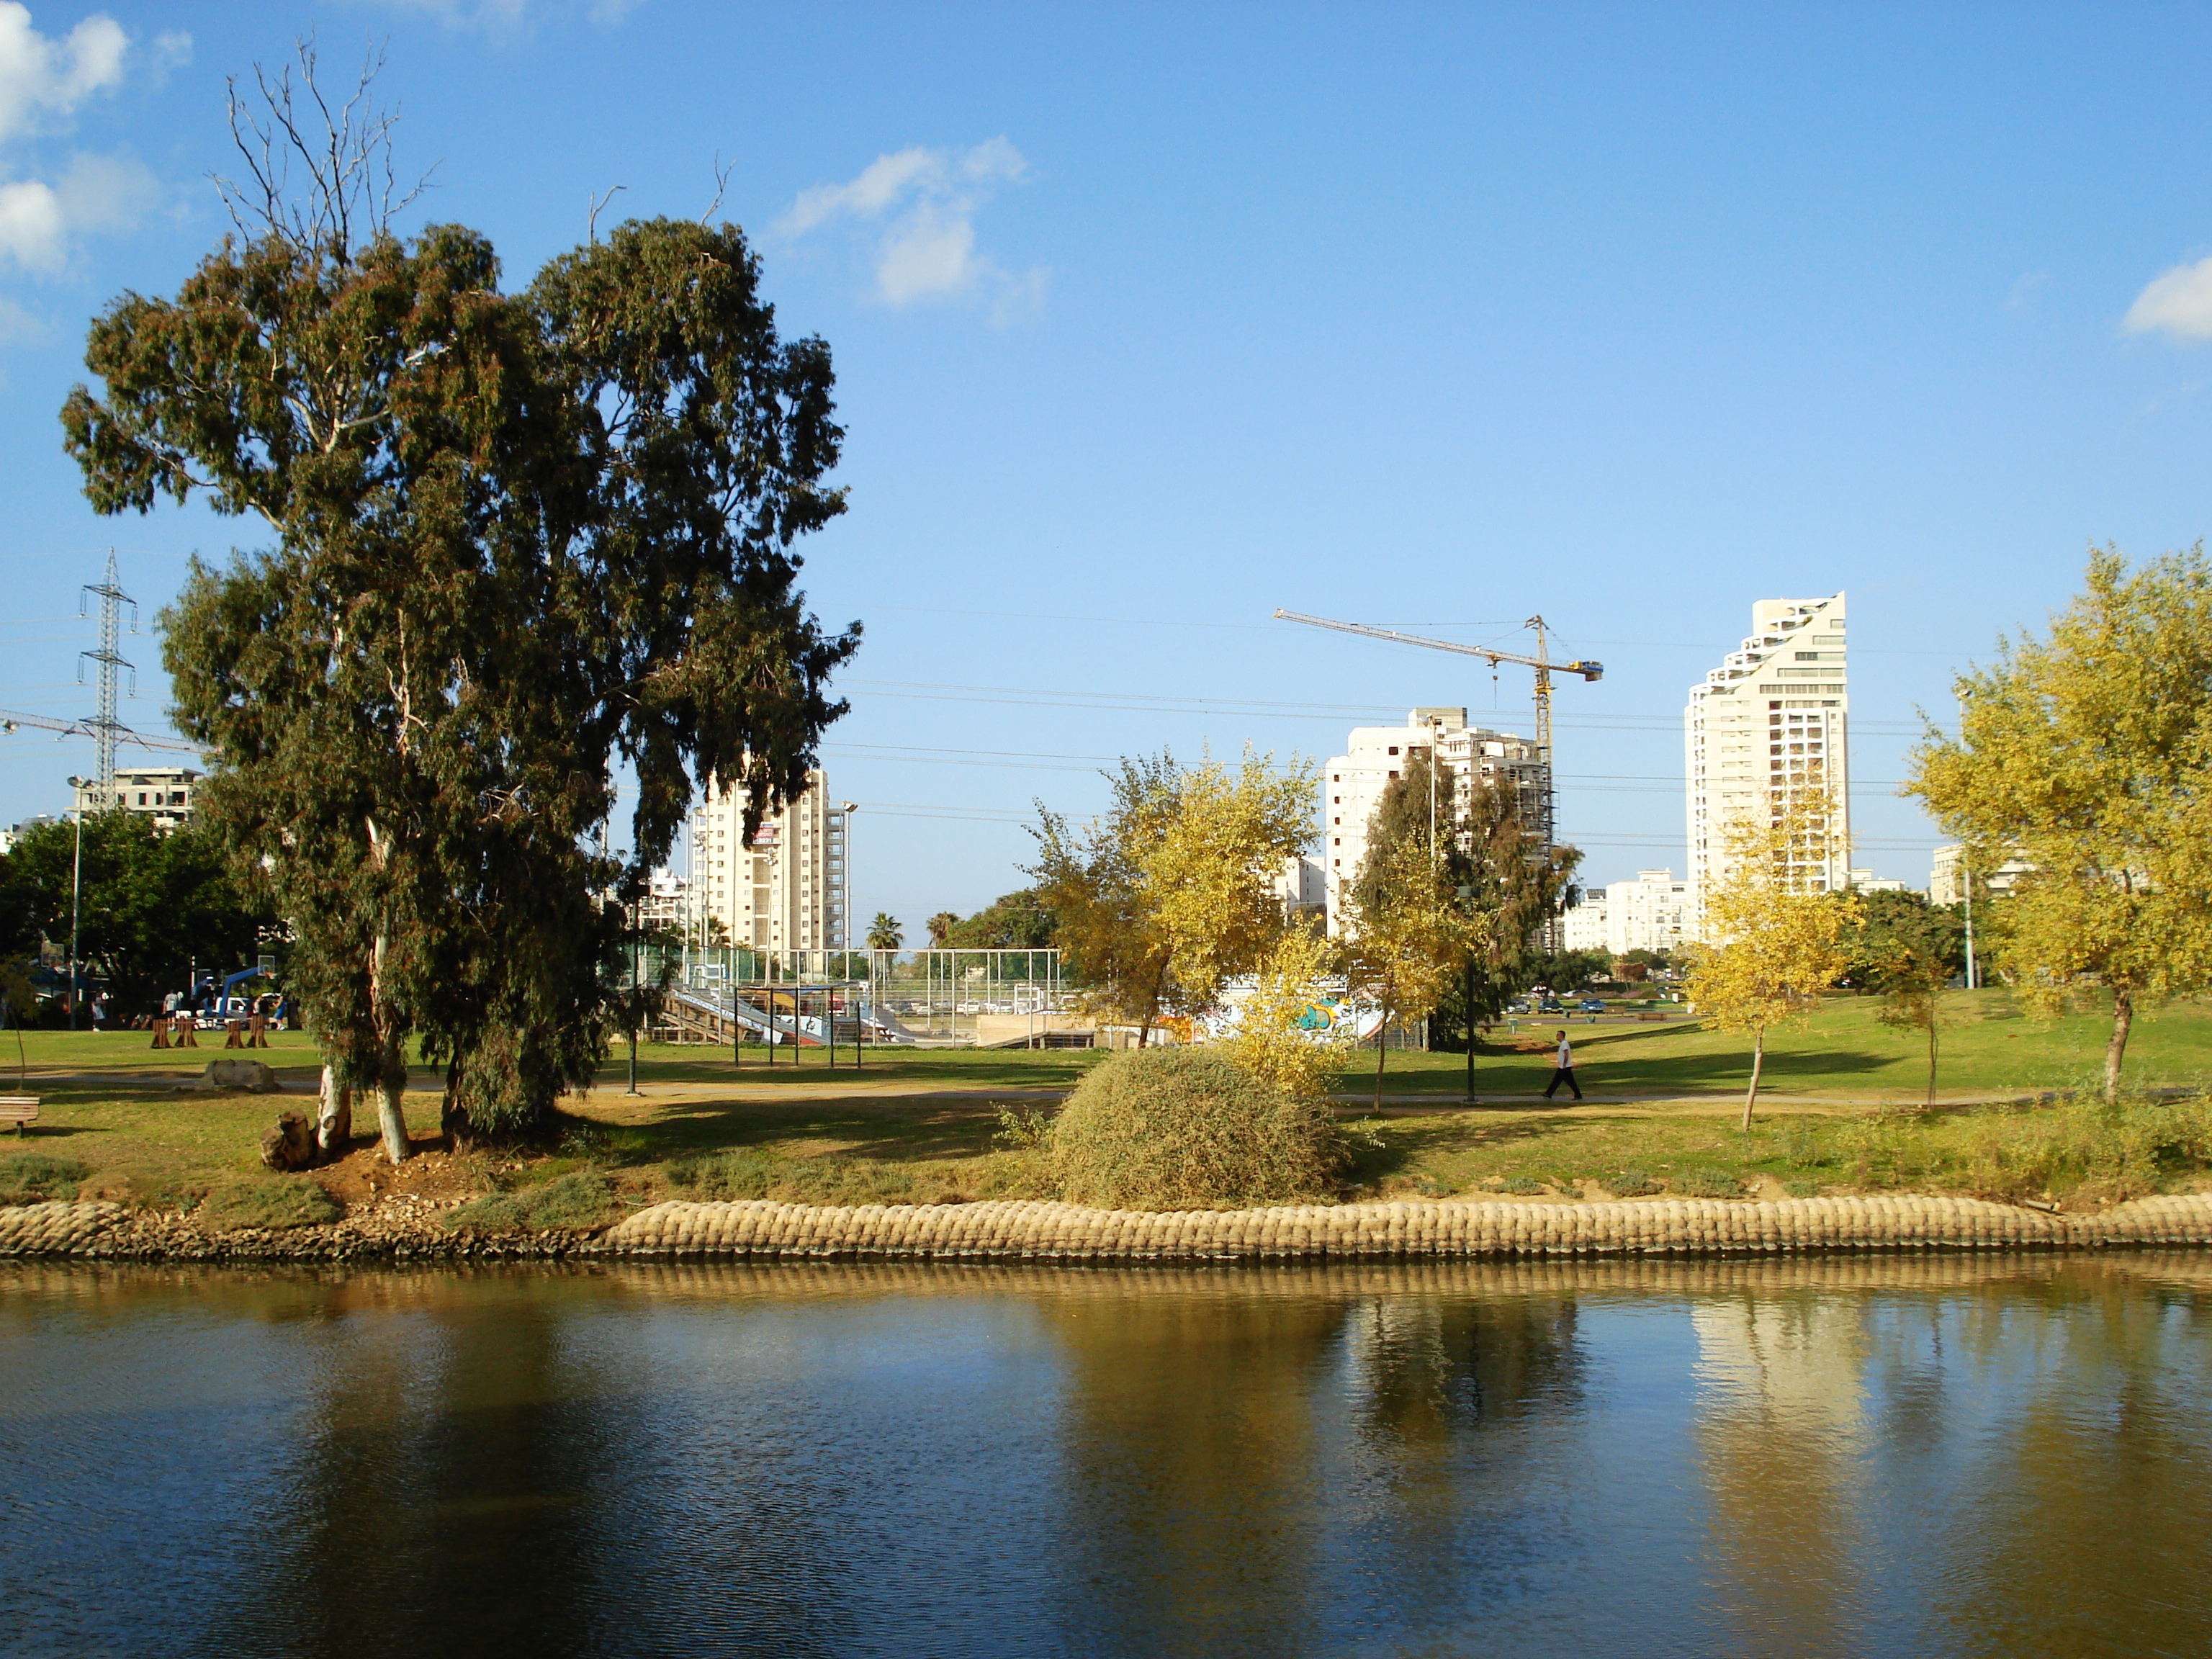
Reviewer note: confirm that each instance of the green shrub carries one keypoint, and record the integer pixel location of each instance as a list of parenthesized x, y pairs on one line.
[(1707, 1182), (1522, 1185), (31, 1177), (271, 1201), (2084, 1146), (745, 1173), (1802, 1188), (1184, 1128), (1630, 1183), (1802, 1149), (578, 1200)]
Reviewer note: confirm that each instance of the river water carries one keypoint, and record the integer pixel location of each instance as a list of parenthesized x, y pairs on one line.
[(1928, 1456)]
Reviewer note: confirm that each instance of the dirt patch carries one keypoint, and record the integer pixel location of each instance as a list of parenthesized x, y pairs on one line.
[(361, 1178)]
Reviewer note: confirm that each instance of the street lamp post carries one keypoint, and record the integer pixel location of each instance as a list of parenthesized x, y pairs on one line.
[(77, 888)]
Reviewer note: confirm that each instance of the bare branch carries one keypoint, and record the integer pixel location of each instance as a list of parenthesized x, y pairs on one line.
[(722, 184), (351, 191), (591, 221)]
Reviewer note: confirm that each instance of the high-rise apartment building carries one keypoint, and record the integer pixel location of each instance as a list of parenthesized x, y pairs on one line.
[(1767, 726), (785, 889), (1352, 785)]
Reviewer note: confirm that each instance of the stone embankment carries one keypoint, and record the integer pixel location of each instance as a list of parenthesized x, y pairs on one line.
[(1027, 1231)]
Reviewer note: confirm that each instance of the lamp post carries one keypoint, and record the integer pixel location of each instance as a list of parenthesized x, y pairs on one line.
[(845, 929), (76, 888)]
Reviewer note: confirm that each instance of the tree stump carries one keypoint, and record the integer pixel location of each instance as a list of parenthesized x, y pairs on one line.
[(288, 1143)]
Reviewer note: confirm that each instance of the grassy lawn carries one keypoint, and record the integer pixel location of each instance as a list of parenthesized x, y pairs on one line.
[(1992, 1048), (925, 1126)]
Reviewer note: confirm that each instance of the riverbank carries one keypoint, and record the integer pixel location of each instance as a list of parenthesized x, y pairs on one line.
[(1037, 1230)]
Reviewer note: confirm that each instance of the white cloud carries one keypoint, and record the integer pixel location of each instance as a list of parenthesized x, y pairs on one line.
[(43, 81), (2178, 302), (925, 202), (40, 75)]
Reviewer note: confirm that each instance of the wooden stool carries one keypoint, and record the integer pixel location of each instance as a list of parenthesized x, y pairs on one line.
[(160, 1032)]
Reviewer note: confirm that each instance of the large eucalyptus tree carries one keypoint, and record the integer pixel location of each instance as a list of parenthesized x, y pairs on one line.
[(514, 541)]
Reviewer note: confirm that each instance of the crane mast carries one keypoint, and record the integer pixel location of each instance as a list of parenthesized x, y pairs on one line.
[(1541, 662)]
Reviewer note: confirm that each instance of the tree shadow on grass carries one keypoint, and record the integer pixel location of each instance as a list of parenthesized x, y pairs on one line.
[(891, 1134)]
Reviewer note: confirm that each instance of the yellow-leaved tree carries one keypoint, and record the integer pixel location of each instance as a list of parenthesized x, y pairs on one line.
[(1210, 872), (1274, 1041), (1171, 890), (1410, 934), (1773, 937), (2085, 754)]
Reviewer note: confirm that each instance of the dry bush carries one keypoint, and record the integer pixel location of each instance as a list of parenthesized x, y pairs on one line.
[(578, 1200), (277, 1203), (1187, 1128)]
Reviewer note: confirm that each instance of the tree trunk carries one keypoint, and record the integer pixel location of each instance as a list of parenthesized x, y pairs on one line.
[(2124, 1015), (1381, 1049), (1932, 1058), (1758, 1063), (1470, 1030), (391, 1068), (451, 1118), (391, 1117), (333, 1115)]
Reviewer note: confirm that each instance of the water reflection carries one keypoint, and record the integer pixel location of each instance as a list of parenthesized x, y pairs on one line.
[(1937, 1456)]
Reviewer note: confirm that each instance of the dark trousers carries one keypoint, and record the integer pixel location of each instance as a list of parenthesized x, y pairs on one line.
[(1565, 1074)]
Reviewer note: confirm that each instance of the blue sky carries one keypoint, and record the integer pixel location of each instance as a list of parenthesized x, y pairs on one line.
[(1149, 320)]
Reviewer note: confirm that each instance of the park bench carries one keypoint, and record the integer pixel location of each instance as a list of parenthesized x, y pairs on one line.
[(1651, 1013), (19, 1109)]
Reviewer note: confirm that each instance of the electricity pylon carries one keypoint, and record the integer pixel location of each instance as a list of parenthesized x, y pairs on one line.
[(104, 724)]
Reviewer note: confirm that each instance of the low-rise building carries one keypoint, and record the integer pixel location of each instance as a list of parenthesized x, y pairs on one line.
[(1866, 881), (164, 793), (1947, 879)]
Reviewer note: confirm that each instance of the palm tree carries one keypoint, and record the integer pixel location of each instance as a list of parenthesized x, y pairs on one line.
[(883, 934), (940, 927)]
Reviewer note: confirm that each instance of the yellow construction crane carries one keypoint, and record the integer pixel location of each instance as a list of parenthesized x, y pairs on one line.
[(1541, 662)]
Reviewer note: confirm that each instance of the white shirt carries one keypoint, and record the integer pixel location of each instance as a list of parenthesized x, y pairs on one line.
[(1566, 1055)]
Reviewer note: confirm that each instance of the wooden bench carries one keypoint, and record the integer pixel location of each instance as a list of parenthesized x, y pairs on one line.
[(19, 1109), (1650, 1014)]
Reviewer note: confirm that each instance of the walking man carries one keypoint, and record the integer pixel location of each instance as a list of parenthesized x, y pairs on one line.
[(1565, 1072)]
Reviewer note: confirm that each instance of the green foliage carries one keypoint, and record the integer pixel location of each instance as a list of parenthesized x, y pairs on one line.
[(1902, 939), (1185, 1128), (1703, 1180), (1013, 921), (1566, 971), (150, 904), (751, 1173), (33, 1177), (515, 538), (1630, 1183), (2110, 1150), (274, 1202), (1024, 1129), (883, 933), (579, 1200)]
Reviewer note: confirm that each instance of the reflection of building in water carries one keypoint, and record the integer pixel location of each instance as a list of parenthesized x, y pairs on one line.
[(1782, 1434)]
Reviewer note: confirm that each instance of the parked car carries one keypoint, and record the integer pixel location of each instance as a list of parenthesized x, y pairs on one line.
[(1551, 1006), (1519, 1005), (1590, 1006)]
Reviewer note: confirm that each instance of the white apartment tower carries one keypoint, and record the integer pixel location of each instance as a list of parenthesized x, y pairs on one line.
[(1651, 913), (1352, 786), (785, 889), (1770, 724)]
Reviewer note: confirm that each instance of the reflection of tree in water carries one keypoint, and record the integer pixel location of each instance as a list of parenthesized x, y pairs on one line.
[(1461, 1411), (1190, 1440), (1431, 1368), (2079, 1523), (465, 1485)]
